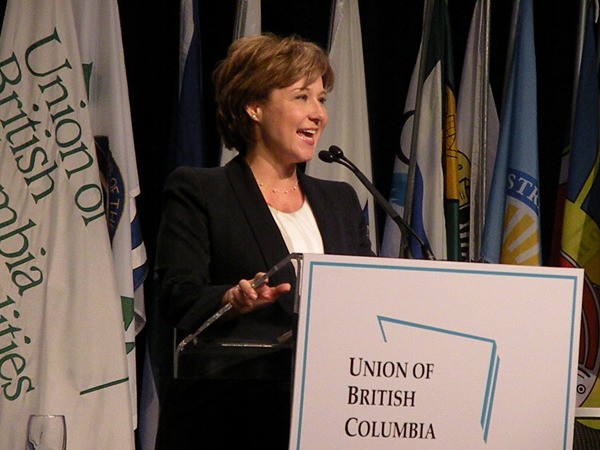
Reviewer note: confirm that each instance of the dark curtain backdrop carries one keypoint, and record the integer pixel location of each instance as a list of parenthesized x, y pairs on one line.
[(391, 33), (391, 36)]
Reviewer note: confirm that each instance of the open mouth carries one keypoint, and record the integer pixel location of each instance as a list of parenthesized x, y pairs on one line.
[(307, 135)]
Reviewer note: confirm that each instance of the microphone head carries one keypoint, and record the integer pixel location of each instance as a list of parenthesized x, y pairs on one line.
[(336, 151), (325, 156)]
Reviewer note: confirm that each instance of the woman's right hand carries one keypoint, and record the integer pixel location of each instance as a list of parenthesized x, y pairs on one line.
[(245, 298)]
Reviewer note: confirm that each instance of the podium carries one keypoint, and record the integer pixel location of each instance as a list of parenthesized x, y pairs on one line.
[(397, 353), (234, 359)]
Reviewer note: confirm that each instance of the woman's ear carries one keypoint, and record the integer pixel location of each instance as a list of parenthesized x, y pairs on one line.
[(254, 112)]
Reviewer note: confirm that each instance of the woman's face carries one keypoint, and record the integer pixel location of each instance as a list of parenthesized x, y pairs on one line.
[(290, 122)]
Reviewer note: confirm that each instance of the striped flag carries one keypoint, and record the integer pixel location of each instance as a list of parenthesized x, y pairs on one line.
[(476, 132), (188, 145), (512, 225), (61, 316), (347, 108), (391, 243), (580, 243), (187, 149), (247, 23), (418, 181)]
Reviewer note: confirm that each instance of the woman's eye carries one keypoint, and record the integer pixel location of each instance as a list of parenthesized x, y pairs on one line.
[(323, 100)]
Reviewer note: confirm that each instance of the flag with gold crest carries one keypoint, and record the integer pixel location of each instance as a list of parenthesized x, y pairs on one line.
[(580, 242)]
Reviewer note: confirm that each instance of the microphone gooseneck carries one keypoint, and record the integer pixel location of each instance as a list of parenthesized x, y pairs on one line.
[(335, 154)]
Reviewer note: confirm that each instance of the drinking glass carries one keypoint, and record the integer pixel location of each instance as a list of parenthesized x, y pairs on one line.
[(46, 432)]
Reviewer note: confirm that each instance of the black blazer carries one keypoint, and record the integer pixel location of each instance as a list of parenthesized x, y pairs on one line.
[(217, 229)]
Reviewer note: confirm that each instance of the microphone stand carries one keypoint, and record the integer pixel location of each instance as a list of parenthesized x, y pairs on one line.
[(335, 154)]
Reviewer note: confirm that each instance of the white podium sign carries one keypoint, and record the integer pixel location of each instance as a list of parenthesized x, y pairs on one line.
[(418, 354)]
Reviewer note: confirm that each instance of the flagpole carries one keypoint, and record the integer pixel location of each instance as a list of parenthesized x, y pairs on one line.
[(333, 9), (240, 19), (511, 49), (578, 55), (481, 193), (428, 13)]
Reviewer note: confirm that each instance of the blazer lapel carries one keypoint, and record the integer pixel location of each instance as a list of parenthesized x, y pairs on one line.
[(265, 230), (321, 211)]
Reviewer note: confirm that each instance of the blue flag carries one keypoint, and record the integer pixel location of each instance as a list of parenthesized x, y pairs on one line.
[(187, 148), (511, 233)]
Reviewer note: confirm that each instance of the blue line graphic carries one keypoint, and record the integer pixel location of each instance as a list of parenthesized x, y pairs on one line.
[(490, 387)]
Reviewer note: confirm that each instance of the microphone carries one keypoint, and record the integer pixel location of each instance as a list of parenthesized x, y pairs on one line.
[(335, 154)]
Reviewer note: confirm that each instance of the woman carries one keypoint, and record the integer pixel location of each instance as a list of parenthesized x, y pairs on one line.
[(224, 227)]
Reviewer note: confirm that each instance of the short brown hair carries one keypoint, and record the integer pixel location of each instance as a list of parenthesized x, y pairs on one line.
[(253, 67)]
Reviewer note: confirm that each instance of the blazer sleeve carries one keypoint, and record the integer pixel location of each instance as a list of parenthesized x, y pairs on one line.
[(186, 295)]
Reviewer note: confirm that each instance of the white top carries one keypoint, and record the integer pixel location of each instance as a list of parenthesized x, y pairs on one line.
[(299, 229)]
